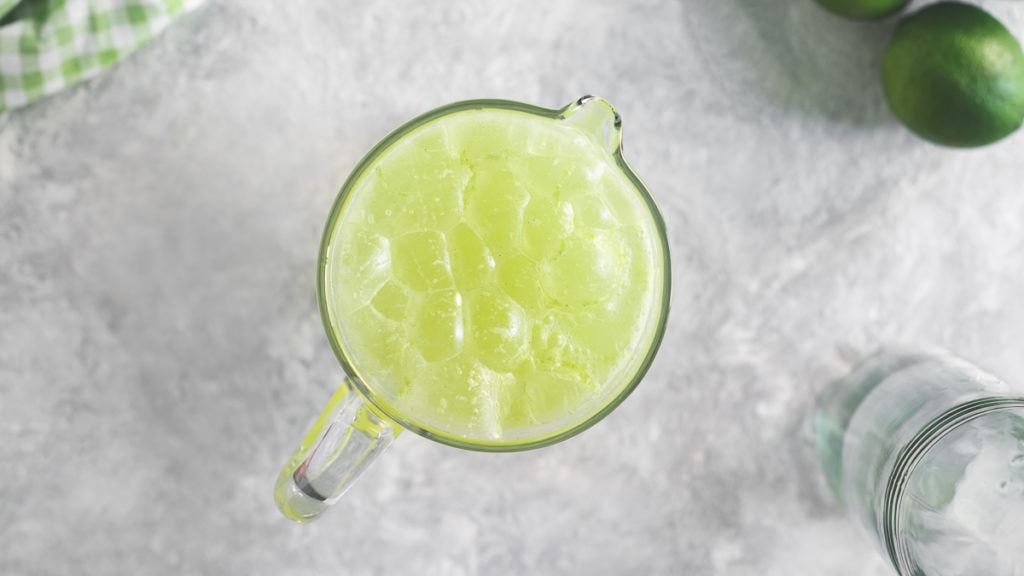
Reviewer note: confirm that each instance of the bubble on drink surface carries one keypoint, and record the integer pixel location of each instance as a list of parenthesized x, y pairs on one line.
[(420, 260)]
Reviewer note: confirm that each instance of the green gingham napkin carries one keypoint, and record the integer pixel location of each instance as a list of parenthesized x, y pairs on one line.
[(48, 45)]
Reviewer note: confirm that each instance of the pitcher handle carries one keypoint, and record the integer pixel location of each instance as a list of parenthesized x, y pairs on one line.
[(348, 436)]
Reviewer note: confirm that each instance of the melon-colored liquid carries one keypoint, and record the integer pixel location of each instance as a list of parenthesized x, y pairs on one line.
[(495, 277)]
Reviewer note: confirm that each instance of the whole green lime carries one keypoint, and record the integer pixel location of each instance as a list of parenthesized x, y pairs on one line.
[(863, 9), (954, 75)]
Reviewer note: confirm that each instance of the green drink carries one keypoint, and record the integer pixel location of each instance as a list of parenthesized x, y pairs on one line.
[(493, 276)]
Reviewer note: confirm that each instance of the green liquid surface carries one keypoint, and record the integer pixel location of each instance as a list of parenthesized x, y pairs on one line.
[(494, 277)]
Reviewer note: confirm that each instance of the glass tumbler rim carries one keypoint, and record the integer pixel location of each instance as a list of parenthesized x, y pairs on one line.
[(894, 538)]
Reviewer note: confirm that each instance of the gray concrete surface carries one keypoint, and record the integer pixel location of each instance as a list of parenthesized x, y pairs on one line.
[(161, 353)]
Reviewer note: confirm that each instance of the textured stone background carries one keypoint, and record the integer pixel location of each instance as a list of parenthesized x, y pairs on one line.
[(161, 353)]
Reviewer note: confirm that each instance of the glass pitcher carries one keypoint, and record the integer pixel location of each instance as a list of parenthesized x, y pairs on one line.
[(492, 276)]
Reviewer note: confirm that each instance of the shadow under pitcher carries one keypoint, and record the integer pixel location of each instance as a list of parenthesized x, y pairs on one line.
[(925, 451), (492, 276)]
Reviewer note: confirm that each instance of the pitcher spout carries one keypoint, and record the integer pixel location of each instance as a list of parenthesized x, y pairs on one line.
[(597, 118)]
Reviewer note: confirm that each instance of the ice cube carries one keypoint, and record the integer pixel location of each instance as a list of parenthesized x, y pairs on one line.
[(518, 277), (420, 261), (498, 329), (552, 392), (415, 184), (589, 269), (592, 211), (471, 261), (482, 136), (934, 481), (461, 397), (373, 339), (361, 262), (437, 328), (495, 204), (392, 301), (546, 225), (983, 495), (978, 528)]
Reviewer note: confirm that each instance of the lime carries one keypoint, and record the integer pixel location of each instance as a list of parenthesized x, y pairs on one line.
[(863, 9), (954, 75)]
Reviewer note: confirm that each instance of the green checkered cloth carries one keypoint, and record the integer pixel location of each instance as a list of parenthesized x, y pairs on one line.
[(48, 45)]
